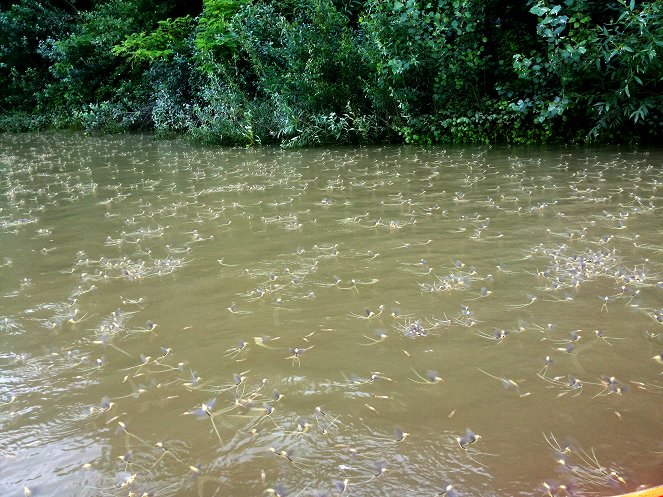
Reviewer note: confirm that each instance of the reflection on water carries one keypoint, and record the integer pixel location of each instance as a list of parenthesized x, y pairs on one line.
[(182, 321)]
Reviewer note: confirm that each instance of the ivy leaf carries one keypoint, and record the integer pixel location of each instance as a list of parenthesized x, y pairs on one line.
[(538, 10)]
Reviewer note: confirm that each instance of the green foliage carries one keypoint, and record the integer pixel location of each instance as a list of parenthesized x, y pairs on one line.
[(333, 128), (213, 39), (428, 58), (86, 71), (605, 75), (20, 121), (108, 117), (23, 69), (170, 96), (292, 78), (630, 50), (167, 40), (312, 72), (95, 87), (223, 114)]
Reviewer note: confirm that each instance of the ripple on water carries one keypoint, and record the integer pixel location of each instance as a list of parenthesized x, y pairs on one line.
[(183, 320)]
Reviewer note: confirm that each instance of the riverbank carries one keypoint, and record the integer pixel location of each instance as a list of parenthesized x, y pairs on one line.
[(334, 72)]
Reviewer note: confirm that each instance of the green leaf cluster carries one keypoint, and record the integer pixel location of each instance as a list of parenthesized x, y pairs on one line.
[(309, 72), (167, 40)]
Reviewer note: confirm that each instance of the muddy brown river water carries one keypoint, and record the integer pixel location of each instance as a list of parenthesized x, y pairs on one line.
[(178, 320)]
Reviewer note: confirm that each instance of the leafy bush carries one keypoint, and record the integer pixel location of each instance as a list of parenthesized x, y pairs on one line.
[(23, 70), (167, 41), (604, 74), (311, 72)]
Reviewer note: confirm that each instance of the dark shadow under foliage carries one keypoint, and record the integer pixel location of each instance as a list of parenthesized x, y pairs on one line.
[(312, 72)]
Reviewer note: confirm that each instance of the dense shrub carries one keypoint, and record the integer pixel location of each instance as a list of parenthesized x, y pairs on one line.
[(310, 72), (24, 71)]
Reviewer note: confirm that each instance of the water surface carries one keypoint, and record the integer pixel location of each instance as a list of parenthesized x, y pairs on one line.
[(178, 320)]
